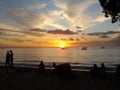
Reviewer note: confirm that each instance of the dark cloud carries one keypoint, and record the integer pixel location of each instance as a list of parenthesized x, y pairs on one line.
[(10, 31), (102, 33), (71, 39), (79, 31), (63, 39), (83, 33), (77, 39), (78, 27), (38, 30), (104, 36), (35, 32), (64, 32), (59, 31), (112, 32)]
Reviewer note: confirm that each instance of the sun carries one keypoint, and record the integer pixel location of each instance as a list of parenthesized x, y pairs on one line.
[(62, 45)]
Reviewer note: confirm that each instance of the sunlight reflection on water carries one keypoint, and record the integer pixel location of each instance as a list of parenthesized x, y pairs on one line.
[(109, 55)]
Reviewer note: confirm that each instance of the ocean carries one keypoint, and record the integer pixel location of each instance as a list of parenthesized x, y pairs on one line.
[(110, 56)]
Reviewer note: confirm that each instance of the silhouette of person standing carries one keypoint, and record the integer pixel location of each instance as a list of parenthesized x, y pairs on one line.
[(7, 62), (11, 58)]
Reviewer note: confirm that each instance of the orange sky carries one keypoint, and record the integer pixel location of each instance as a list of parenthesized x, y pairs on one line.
[(57, 23)]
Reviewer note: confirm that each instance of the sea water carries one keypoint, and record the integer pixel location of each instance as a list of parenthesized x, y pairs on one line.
[(110, 56)]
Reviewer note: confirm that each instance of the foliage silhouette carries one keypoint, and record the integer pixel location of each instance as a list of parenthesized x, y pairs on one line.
[(111, 8)]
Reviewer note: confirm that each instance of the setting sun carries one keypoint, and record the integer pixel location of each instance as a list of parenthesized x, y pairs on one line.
[(61, 44)]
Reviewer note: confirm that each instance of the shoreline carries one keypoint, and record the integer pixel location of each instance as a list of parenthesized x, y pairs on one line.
[(73, 67)]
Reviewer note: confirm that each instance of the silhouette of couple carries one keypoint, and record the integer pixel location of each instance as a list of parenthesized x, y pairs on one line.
[(9, 58)]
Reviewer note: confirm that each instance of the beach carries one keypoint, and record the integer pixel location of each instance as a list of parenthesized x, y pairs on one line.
[(20, 78)]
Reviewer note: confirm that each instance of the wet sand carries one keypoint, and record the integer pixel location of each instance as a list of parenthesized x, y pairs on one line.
[(20, 78)]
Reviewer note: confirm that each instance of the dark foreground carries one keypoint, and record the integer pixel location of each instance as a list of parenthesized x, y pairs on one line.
[(29, 79)]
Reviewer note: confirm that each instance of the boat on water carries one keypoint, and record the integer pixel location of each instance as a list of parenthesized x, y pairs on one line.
[(84, 48)]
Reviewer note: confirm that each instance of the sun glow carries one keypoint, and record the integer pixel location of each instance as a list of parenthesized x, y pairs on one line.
[(61, 44)]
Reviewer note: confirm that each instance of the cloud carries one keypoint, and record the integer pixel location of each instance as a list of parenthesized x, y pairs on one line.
[(20, 33), (71, 39), (4, 25), (77, 39), (25, 18), (60, 14), (37, 30), (63, 39), (19, 40), (103, 36), (24, 15), (102, 33), (34, 33), (12, 39), (64, 32), (77, 12), (100, 19), (31, 35), (11, 33), (37, 5), (78, 27)]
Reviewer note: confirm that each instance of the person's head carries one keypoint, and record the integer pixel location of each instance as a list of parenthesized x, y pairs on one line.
[(10, 50), (54, 64), (94, 65), (41, 62), (102, 65), (7, 51)]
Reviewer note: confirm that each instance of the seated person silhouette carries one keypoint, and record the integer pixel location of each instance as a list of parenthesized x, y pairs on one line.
[(102, 70), (41, 67), (64, 70), (95, 71), (54, 65)]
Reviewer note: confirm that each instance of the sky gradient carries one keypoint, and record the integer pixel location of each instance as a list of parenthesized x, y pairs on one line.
[(55, 23)]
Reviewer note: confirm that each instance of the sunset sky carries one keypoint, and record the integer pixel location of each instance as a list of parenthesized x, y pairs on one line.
[(55, 23)]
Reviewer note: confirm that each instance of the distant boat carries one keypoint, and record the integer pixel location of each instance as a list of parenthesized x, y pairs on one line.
[(102, 47), (84, 48)]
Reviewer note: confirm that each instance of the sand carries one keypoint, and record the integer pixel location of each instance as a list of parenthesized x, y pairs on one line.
[(21, 78)]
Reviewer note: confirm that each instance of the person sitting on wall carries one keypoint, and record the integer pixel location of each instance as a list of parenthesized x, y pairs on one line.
[(102, 70), (64, 70), (95, 71), (41, 67)]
